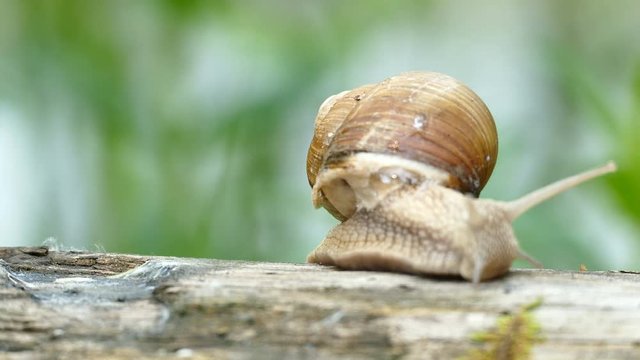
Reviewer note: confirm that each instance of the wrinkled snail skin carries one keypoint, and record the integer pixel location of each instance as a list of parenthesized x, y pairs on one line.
[(426, 230), (401, 164)]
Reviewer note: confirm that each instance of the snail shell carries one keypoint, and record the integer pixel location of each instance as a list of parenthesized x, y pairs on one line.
[(431, 120), (401, 163)]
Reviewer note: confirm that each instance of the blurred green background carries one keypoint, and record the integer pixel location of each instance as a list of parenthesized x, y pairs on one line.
[(181, 127)]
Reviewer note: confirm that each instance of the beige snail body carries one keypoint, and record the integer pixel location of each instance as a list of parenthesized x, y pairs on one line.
[(401, 164)]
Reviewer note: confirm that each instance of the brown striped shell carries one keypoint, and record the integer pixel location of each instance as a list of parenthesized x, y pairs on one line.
[(423, 117)]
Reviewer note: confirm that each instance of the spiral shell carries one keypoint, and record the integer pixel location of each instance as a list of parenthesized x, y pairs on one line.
[(420, 117)]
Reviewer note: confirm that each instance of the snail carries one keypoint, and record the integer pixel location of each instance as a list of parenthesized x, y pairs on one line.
[(401, 164)]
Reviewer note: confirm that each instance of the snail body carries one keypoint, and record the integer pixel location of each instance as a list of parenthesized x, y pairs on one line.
[(401, 164)]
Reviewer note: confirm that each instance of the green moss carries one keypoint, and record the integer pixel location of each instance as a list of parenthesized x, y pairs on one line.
[(512, 337)]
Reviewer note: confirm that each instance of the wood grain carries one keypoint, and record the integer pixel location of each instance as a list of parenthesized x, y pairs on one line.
[(68, 305)]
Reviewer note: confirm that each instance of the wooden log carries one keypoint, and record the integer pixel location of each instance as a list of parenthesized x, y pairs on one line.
[(67, 305)]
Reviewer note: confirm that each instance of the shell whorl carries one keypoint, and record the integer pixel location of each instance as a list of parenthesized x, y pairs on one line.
[(426, 117)]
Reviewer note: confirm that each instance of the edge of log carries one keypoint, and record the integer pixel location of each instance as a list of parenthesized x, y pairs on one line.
[(62, 304)]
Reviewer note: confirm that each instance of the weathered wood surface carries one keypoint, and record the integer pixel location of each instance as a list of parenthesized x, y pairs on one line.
[(68, 305)]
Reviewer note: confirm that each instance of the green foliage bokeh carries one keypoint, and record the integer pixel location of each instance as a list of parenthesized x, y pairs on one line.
[(180, 127)]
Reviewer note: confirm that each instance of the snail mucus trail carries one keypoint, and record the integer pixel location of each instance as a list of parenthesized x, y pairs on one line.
[(401, 164)]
